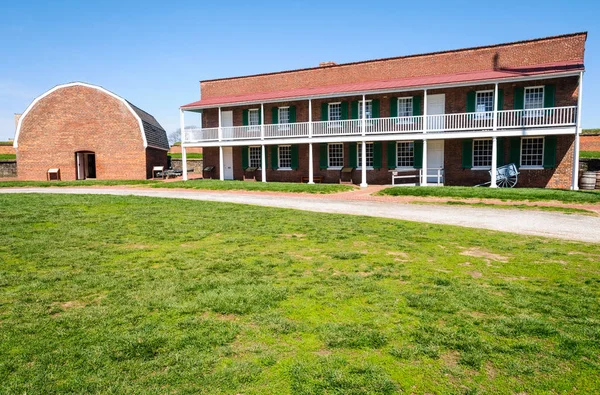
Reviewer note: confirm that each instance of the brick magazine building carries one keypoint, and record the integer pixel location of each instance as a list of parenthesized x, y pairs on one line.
[(449, 117), (88, 132)]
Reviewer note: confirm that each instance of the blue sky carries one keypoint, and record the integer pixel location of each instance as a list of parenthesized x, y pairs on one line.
[(154, 53)]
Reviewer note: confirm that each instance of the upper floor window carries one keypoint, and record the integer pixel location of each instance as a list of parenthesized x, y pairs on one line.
[(335, 111), (405, 106), (532, 152), (369, 154), (484, 101), (335, 155), (368, 109), (482, 153), (284, 115), (254, 156), (534, 97), (405, 154), (253, 118)]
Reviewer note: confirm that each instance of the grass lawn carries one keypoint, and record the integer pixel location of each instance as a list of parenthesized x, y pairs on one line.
[(531, 194), (8, 156), (256, 186), (190, 155), (142, 295), (589, 154), (80, 183)]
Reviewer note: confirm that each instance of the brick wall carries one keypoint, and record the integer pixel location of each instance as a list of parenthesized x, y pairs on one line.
[(79, 118), (7, 149), (544, 51), (155, 157), (176, 149), (589, 142)]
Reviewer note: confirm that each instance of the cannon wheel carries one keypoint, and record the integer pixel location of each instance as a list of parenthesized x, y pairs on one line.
[(508, 182)]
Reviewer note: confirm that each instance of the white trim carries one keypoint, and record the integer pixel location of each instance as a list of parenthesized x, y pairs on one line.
[(279, 167), (542, 87), (328, 159), (506, 80), (359, 149), (71, 84), (485, 91), (540, 167), (473, 154)]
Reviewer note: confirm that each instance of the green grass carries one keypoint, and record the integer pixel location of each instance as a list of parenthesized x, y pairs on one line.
[(7, 143), (8, 156), (80, 183), (590, 131), (589, 154), (256, 186), (516, 194), (141, 295), (191, 155)]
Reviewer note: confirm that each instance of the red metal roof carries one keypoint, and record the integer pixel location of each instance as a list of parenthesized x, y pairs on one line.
[(402, 83)]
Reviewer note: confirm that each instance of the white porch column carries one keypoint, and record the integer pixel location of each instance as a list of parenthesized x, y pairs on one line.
[(363, 183), (262, 121), (183, 153), (575, 181), (494, 162), (310, 146), (220, 131), (425, 125), (221, 167), (263, 164)]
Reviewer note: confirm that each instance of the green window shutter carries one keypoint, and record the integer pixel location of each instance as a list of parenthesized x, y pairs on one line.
[(519, 98), (500, 152), (467, 154), (416, 106), (393, 107), (353, 155), (391, 154), (515, 151), (245, 157), (354, 109), (500, 99), (375, 106), (324, 111), (418, 154), (259, 117), (549, 152), (245, 117), (274, 157), (549, 94), (377, 153), (344, 109), (275, 114), (294, 152), (471, 101), (323, 156), (292, 114)]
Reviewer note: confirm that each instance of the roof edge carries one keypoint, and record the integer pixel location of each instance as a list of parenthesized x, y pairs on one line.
[(583, 33)]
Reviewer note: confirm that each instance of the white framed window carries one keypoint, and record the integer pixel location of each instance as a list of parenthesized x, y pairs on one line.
[(284, 115), (254, 159), (482, 154), (285, 157), (484, 101), (335, 155), (534, 97), (369, 155), (335, 111), (253, 118), (368, 109), (405, 154), (405, 106), (532, 152)]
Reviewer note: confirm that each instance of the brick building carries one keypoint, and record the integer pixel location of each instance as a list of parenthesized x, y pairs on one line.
[(447, 117), (87, 132)]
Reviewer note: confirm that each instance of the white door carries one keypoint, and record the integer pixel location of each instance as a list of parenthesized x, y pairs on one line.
[(435, 160), (228, 163), (436, 105), (226, 124), (80, 166)]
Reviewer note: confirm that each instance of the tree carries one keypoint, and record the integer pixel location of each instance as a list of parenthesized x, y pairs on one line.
[(175, 137)]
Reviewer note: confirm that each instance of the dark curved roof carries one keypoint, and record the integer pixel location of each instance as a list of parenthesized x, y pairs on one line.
[(156, 136)]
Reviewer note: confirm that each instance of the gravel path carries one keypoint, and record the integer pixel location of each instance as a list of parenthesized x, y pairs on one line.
[(529, 222)]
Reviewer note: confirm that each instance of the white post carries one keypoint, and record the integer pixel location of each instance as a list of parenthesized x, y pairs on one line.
[(183, 153), (575, 181), (263, 164), (424, 165), (310, 146), (262, 121), (495, 125), (220, 131), (221, 166), (494, 162), (363, 183)]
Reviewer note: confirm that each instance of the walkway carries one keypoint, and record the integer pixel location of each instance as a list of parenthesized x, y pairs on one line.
[(528, 222)]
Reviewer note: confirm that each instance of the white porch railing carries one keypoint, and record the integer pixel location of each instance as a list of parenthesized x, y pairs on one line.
[(508, 119)]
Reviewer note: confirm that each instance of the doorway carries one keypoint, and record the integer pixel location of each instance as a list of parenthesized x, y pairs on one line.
[(85, 163), (228, 163), (435, 160), (436, 105)]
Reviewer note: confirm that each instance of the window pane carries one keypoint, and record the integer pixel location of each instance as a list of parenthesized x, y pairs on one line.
[(368, 107), (284, 115), (369, 154), (335, 112), (405, 154), (254, 156), (532, 151), (285, 156), (405, 107), (482, 153), (485, 101), (253, 117), (336, 155), (534, 98)]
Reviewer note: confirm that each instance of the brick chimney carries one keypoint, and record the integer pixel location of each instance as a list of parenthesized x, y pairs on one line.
[(325, 64)]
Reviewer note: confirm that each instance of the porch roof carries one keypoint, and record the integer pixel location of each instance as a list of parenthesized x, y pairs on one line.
[(420, 82)]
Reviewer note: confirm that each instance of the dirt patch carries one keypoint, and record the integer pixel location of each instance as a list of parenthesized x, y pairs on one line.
[(476, 274), (487, 255), (323, 353), (398, 253), (490, 370), (450, 358), (72, 304), (293, 235), (364, 274)]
